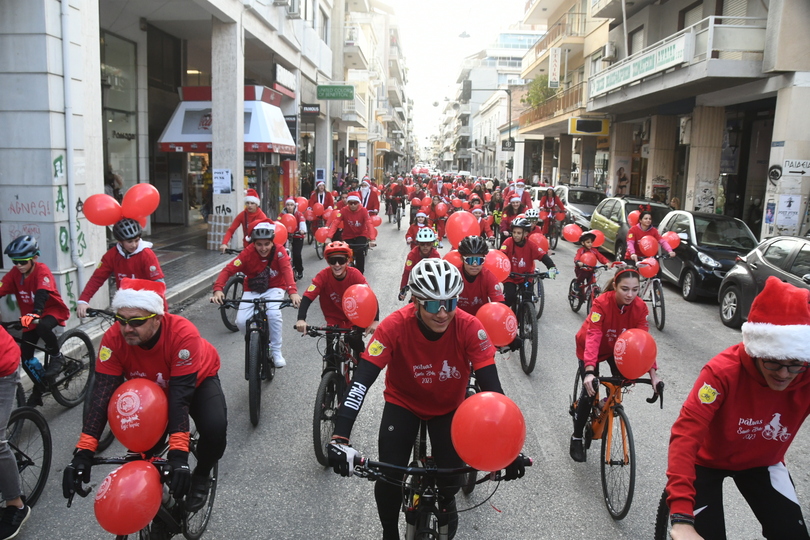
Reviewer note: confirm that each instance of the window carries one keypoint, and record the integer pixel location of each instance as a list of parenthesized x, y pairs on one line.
[(691, 15), (778, 252), (801, 266), (324, 30), (680, 225), (636, 40)]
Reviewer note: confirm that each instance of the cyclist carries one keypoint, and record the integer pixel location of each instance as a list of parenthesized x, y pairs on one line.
[(510, 213), (131, 257), (424, 249), (552, 204), (522, 253), (480, 285), (40, 302), (251, 213), (435, 220), (429, 334), (585, 276), (617, 309), (395, 194), (483, 224), (741, 416), (355, 221), (421, 223), (297, 236), (149, 343), (268, 275), (640, 230), (532, 215), (320, 195), (329, 285), (369, 198)]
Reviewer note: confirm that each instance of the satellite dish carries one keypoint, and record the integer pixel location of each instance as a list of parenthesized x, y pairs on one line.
[(456, 106)]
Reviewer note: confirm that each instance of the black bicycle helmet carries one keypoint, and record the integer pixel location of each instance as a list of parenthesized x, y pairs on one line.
[(522, 223), (473, 245), (22, 247), (263, 231), (127, 229)]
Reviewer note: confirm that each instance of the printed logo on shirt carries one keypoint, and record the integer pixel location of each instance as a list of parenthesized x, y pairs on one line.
[(311, 288), (46, 279), (499, 287), (152, 268), (408, 263), (630, 236), (99, 265), (237, 262), (185, 358), (775, 431), (375, 348), (482, 335), (104, 354), (280, 254), (707, 394), (595, 317)]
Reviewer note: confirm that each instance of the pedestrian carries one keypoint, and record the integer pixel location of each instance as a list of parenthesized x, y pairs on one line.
[(297, 236)]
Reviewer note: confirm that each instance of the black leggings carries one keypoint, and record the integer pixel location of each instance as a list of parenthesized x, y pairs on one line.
[(43, 330), (585, 403), (210, 414), (769, 492), (359, 245), (398, 430), (297, 246)]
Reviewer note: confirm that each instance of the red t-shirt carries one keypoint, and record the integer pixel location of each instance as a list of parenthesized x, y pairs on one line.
[(429, 378), (277, 272), (354, 224), (732, 420), (521, 257), (414, 256), (330, 291), (243, 219), (25, 289), (606, 322), (410, 236), (142, 264), (485, 288), (583, 250), (9, 354), (180, 350)]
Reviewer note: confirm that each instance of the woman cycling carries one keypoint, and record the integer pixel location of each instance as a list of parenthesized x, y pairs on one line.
[(509, 214), (424, 249), (552, 204), (421, 223), (480, 285), (640, 230), (617, 309), (437, 222)]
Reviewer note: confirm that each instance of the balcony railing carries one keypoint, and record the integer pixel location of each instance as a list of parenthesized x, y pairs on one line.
[(569, 25), (559, 103), (357, 106), (353, 36)]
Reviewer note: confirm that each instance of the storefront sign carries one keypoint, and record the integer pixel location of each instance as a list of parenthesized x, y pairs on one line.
[(796, 167), (285, 77), (588, 126), (554, 62), (310, 109), (659, 59), (344, 92), (292, 124)]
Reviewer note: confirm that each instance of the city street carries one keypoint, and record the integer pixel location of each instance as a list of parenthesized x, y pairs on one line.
[(271, 486)]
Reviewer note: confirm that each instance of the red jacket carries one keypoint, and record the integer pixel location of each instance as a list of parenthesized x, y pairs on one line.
[(141, 264), (410, 236), (433, 187), (597, 335), (370, 201), (414, 256), (484, 227), (636, 233), (243, 218), (26, 288), (354, 224), (548, 205), (324, 198), (267, 273), (483, 289)]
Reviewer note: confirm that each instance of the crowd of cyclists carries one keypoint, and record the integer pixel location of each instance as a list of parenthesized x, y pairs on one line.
[(436, 332)]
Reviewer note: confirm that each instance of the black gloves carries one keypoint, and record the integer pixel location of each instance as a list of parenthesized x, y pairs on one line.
[(78, 472), (177, 474), (341, 458), (516, 469)]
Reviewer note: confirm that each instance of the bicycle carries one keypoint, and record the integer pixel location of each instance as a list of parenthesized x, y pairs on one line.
[(526, 316), (28, 436), (577, 296), (555, 230), (318, 222), (233, 290), (338, 367), (70, 385), (172, 517), (398, 204), (258, 359), (608, 422), (107, 436), (420, 492)]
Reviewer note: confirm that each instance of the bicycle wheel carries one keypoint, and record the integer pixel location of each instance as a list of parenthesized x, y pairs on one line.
[(658, 304), (233, 291), (590, 294), (573, 296), (29, 438), (195, 523), (468, 479), (554, 237), (662, 519), (70, 385), (574, 398), (254, 359), (107, 436), (618, 465), (527, 332), (323, 420), (541, 298), (319, 249), (399, 218)]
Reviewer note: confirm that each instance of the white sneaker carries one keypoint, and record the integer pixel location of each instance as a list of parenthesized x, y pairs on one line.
[(278, 360), (441, 246)]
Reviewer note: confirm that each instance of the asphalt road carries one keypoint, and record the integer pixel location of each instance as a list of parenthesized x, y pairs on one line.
[(271, 486)]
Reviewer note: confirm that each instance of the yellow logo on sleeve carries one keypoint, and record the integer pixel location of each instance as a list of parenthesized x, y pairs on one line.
[(595, 317), (408, 262), (311, 288), (707, 394), (104, 354), (376, 348), (237, 262)]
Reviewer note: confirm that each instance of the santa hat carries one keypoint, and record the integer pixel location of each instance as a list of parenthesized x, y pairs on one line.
[(319, 182), (364, 183), (520, 183), (353, 196), (421, 214), (252, 196), (140, 294), (513, 199), (478, 210), (290, 199), (779, 323)]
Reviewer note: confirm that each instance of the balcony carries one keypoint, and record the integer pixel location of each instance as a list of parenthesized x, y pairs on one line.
[(394, 91), (361, 6), (375, 131), (354, 112), (537, 11), (384, 111), (558, 104), (705, 57), (569, 30), (612, 9), (355, 47), (463, 131)]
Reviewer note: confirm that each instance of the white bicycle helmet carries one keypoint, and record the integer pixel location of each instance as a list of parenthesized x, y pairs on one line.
[(532, 213), (425, 234), (435, 279)]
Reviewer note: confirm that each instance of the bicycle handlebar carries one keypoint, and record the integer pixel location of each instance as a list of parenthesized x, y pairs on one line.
[(231, 251), (319, 331), (658, 391), (256, 301), (100, 313), (373, 470), (81, 491), (541, 275), (597, 267)]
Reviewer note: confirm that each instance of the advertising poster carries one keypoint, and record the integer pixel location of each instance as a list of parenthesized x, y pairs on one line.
[(222, 181), (788, 214)]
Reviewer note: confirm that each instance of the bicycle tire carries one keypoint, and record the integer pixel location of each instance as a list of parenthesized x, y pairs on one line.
[(527, 331), (195, 523), (574, 398), (327, 401), (554, 236), (71, 384), (399, 218), (29, 439), (254, 359), (662, 519), (319, 249), (618, 468), (19, 395), (573, 296), (468, 479), (310, 234), (659, 314), (233, 290), (541, 298), (589, 295), (107, 436)]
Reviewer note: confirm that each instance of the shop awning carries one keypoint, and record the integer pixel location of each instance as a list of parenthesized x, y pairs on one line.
[(189, 129)]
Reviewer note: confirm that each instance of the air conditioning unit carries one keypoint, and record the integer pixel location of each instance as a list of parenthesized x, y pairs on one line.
[(294, 9), (281, 2), (609, 52)]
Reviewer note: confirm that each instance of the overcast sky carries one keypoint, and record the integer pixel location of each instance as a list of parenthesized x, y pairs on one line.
[(429, 31)]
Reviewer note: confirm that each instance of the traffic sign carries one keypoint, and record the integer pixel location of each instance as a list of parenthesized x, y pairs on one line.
[(344, 92), (508, 145), (793, 167)]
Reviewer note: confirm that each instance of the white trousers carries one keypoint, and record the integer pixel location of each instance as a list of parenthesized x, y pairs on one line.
[(273, 315)]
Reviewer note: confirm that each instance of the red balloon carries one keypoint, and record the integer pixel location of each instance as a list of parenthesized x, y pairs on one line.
[(461, 225), (416, 201), (454, 258), (441, 209), (540, 240), (572, 232), (143, 221), (360, 305), (498, 263), (588, 259), (672, 239), (426, 209), (500, 323), (335, 193), (543, 214), (600, 237), (138, 413), (327, 216), (129, 498), (635, 352), (317, 209), (303, 203), (376, 220), (321, 234), (560, 216), (648, 246), (648, 267), (281, 234), (632, 217), (309, 215), (373, 234), (487, 197), (456, 203), (465, 205), (490, 417), (140, 200), (101, 209), (289, 222), (409, 189)]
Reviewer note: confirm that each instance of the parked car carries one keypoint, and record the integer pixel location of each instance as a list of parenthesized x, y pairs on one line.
[(537, 194), (786, 257), (610, 217), (710, 245), (580, 202)]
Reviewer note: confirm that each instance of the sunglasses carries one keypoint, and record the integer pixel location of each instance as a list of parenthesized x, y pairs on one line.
[(434, 306), (773, 365), (21, 262), (134, 322), (474, 260), (336, 260), (353, 202)]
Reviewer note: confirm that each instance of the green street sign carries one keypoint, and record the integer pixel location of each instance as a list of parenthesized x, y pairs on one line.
[(336, 91)]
